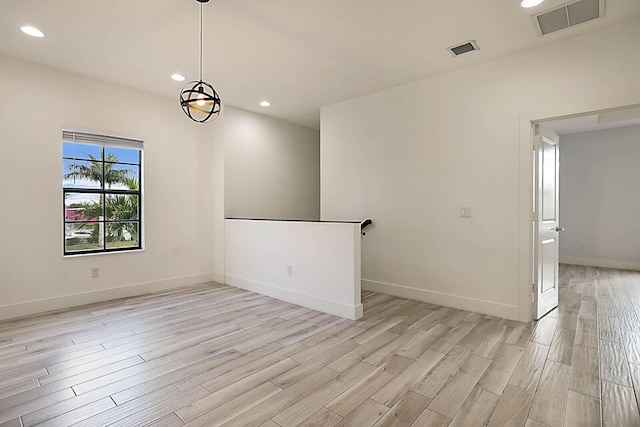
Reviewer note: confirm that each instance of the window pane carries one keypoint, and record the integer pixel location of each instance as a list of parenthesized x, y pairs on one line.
[(123, 234), (122, 155), (81, 174), (82, 207), (122, 177), (81, 151), (83, 236), (120, 207), (67, 150)]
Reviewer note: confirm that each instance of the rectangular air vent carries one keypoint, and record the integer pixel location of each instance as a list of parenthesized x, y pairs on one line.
[(566, 16), (465, 47)]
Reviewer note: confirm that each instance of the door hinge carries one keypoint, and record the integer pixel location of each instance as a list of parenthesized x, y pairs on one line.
[(533, 292)]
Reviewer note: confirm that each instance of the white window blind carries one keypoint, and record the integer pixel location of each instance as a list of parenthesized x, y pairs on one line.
[(96, 139)]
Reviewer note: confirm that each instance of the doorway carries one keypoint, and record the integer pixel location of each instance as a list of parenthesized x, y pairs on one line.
[(588, 121)]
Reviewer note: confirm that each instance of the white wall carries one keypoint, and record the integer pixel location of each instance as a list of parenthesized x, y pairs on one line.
[(324, 260), (600, 198), (411, 156), (272, 168), (37, 103)]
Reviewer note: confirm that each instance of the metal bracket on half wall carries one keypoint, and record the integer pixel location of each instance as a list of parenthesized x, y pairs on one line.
[(364, 224)]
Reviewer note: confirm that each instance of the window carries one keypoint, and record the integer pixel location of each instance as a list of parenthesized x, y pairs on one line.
[(101, 189)]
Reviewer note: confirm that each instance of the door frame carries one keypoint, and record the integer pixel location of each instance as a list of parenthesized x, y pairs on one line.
[(526, 260)]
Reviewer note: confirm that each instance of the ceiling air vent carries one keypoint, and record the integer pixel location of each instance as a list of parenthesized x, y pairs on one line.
[(568, 15), (465, 47)]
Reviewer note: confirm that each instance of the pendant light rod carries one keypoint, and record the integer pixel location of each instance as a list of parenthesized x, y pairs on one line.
[(201, 36), (200, 41)]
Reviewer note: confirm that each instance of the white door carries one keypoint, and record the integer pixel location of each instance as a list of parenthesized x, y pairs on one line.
[(546, 226)]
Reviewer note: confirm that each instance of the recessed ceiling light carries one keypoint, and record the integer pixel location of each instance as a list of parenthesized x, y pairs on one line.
[(530, 3), (32, 31), (265, 104), (178, 77)]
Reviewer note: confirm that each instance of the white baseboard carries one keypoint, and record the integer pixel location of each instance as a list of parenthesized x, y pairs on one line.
[(66, 301), (305, 300), (605, 263), (218, 277), (439, 298)]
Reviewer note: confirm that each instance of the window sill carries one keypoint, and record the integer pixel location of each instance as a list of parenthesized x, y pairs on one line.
[(102, 253)]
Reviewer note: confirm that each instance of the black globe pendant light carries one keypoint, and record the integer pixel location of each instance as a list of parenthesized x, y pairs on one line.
[(198, 99)]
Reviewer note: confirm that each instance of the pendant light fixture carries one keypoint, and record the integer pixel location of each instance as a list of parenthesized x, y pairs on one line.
[(198, 99)]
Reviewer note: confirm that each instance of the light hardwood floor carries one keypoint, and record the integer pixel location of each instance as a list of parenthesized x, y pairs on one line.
[(216, 355)]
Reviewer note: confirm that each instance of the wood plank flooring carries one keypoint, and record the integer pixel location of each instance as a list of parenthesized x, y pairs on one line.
[(214, 355)]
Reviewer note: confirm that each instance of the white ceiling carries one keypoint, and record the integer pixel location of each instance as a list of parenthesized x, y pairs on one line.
[(298, 54)]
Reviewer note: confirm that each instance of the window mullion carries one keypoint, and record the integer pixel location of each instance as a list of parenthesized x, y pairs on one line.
[(104, 201)]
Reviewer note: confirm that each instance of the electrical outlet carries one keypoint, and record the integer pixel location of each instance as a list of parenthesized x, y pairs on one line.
[(581, 245), (288, 270), (95, 273)]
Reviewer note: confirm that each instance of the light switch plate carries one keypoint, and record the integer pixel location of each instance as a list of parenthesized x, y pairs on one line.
[(465, 212)]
